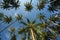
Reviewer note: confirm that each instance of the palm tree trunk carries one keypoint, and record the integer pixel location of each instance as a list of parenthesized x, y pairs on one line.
[(33, 37), (7, 26), (1, 22), (30, 1)]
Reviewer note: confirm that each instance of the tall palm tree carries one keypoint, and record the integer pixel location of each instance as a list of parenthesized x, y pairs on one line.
[(12, 33), (28, 6), (9, 19), (43, 26), (28, 29)]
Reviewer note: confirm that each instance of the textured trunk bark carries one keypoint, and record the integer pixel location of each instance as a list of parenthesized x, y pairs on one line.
[(33, 38)]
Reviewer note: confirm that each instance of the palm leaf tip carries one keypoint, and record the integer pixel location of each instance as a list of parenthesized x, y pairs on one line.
[(19, 17)]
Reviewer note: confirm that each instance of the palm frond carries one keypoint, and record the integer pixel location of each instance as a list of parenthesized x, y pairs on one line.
[(23, 23)]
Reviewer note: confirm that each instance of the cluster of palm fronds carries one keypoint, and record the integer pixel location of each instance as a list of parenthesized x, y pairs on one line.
[(54, 5), (46, 29), (10, 4)]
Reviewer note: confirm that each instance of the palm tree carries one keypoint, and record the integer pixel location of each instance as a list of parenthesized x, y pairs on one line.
[(12, 33), (28, 29), (28, 6), (9, 19), (35, 30), (42, 26)]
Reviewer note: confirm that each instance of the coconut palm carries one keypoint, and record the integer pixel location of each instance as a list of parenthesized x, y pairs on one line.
[(28, 6), (9, 19), (42, 26), (28, 29), (34, 30), (12, 33)]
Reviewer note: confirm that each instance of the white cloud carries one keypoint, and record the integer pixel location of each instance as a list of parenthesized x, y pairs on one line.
[(15, 14)]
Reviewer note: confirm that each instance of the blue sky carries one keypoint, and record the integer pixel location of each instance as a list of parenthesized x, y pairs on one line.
[(21, 10)]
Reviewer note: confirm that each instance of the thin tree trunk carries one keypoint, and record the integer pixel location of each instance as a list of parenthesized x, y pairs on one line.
[(1, 22), (30, 1), (33, 37), (7, 26)]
